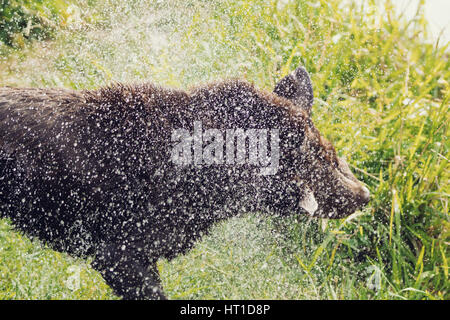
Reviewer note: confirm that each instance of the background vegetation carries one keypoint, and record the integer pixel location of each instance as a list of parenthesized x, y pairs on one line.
[(382, 97)]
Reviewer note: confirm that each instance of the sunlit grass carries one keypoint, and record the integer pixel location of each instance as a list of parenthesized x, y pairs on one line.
[(382, 98)]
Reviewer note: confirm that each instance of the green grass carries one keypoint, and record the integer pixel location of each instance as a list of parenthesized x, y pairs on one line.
[(28, 270), (382, 97)]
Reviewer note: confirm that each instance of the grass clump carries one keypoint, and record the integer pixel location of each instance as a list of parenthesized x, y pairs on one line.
[(28, 270)]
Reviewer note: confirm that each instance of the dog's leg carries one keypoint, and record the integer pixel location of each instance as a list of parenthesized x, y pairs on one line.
[(128, 272)]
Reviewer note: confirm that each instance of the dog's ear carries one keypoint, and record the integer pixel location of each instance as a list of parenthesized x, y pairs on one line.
[(297, 87)]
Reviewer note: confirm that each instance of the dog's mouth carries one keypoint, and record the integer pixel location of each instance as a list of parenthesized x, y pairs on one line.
[(331, 207)]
